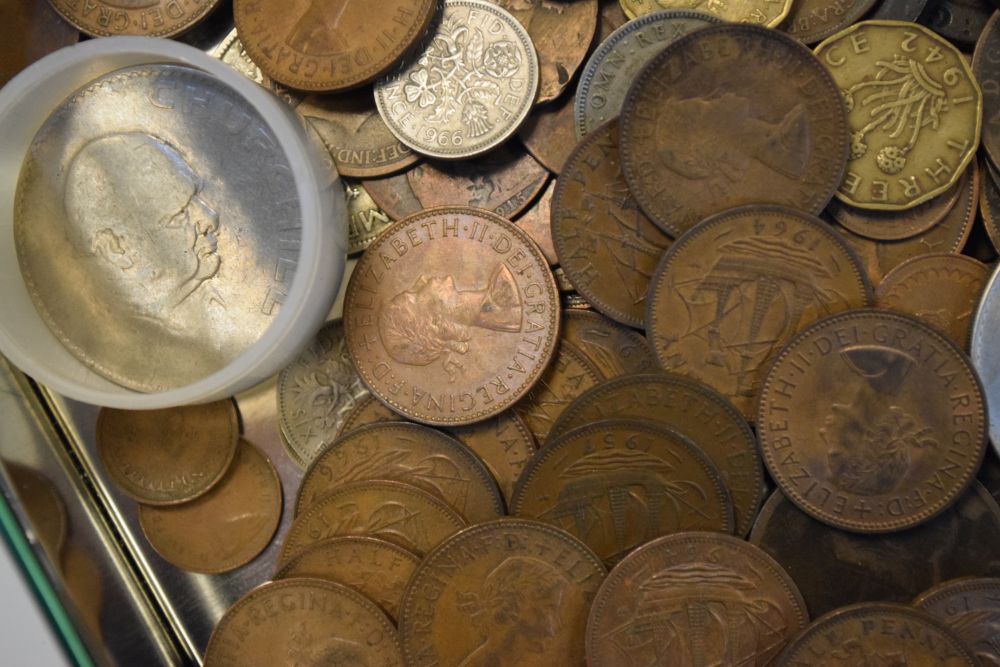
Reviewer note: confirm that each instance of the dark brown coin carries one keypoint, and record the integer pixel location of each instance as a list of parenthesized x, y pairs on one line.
[(561, 31), (549, 134), (986, 67), (614, 349), (45, 507), (872, 421), (304, 622), (942, 289), (899, 10), (536, 223), (358, 140), (450, 342), (961, 22), (225, 528), (393, 195), (145, 18), (331, 44), (392, 511), (811, 21), (970, 607), (606, 245), (410, 453), (693, 410), (570, 374), (505, 445), (729, 294), (32, 30), (610, 17), (707, 126), (170, 456), (834, 568), (368, 410), (989, 204), (694, 599), (617, 484), (375, 568), (504, 181), (509, 592)]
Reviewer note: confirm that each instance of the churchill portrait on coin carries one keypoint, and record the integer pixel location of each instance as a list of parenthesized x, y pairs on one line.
[(137, 213)]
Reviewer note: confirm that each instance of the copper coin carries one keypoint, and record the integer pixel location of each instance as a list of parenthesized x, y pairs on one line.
[(170, 456), (358, 140), (570, 374), (971, 608), (615, 350), (504, 181), (304, 622), (509, 592), (694, 599), (941, 289), (375, 568), (730, 293), (225, 528), (148, 18), (989, 204), (617, 484), (896, 225), (811, 21), (392, 511), (32, 30), (410, 453), (610, 17), (693, 410), (536, 223), (878, 634), (365, 219), (898, 434), (330, 44), (447, 342), (561, 31), (548, 133), (393, 195), (833, 567), (315, 394), (368, 410), (986, 68), (606, 245), (505, 445), (45, 508)]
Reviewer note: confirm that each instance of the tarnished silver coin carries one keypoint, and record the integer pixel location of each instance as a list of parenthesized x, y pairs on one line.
[(611, 69), (467, 88), (316, 393), (157, 225)]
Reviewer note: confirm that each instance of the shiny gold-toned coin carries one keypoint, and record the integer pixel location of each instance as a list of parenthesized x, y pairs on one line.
[(914, 110), (365, 219), (171, 456), (225, 528), (765, 13), (410, 453), (614, 349), (375, 568), (304, 622), (449, 342), (149, 18), (971, 608), (509, 592)]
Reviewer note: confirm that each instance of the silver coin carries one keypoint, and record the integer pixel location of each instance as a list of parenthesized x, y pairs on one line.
[(611, 69), (157, 225), (985, 353), (468, 88), (316, 393)]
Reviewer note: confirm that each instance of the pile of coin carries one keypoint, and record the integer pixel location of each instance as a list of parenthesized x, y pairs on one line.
[(616, 276)]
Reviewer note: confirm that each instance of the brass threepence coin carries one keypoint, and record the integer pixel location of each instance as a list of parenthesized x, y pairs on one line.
[(614, 65), (468, 89), (358, 140), (942, 289), (536, 222), (165, 457), (393, 195), (225, 528), (765, 13), (877, 634), (986, 68), (694, 599), (33, 30), (329, 44), (705, 128), (392, 511), (970, 607), (365, 219), (615, 350), (446, 342), (304, 622), (505, 445), (570, 374), (731, 292), (606, 245), (410, 453), (156, 218), (900, 430), (147, 18), (834, 568), (711, 422), (316, 393), (617, 484), (368, 410), (811, 21), (375, 568), (509, 592), (561, 32), (548, 133), (914, 110), (637, 8)]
